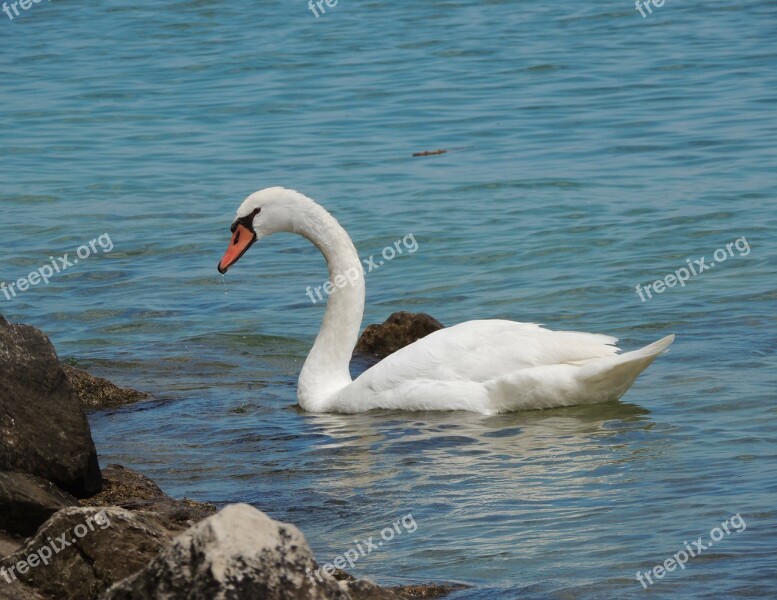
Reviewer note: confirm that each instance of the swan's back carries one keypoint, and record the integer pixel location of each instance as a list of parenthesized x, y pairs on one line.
[(493, 366), (485, 349)]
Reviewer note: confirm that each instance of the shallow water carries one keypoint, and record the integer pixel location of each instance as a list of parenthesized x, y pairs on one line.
[(595, 150)]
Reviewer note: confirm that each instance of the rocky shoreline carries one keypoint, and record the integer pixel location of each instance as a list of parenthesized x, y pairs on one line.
[(69, 529)]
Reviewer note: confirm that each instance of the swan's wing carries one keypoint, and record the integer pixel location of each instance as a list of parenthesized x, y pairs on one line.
[(478, 351)]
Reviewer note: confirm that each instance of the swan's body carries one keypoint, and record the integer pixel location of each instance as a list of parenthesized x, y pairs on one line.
[(486, 366)]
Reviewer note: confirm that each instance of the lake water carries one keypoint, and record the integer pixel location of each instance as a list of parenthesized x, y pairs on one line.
[(590, 150)]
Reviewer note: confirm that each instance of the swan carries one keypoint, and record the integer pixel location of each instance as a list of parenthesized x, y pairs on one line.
[(485, 366)]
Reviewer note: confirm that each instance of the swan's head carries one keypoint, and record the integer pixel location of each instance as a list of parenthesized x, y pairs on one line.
[(264, 212)]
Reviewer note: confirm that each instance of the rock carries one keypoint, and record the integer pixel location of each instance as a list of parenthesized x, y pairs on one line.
[(131, 490), (85, 553), (8, 545), (43, 430), (367, 590), (398, 331), (17, 591), (92, 549), (242, 554), (96, 392), (427, 591), (27, 501), (237, 554), (122, 485)]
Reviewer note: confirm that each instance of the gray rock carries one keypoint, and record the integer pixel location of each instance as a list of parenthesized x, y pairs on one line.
[(43, 430), (27, 501), (100, 546), (238, 554), (95, 392), (399, 330)]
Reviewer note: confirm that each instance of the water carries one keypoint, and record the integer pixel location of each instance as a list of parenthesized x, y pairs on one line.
[(596, 150)]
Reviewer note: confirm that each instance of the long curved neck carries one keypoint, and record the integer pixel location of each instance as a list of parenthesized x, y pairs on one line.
[(325, 371)]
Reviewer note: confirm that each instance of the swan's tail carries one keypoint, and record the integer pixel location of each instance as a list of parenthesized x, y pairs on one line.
[(613, 375), (600, 379)]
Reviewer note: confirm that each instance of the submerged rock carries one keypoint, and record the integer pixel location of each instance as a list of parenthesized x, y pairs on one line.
[(27, 501), (398, 331), (43, 430), (362, 589), (428, 591), (95, 392)]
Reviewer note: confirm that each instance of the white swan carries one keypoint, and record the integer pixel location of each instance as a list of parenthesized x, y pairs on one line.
[(481, 366)]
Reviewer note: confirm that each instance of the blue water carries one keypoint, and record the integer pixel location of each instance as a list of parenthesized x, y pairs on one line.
[(591, 150)]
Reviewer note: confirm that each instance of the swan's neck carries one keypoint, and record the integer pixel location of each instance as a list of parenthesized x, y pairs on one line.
[(325, 371)]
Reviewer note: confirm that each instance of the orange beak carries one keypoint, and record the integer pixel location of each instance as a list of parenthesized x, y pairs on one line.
[(242, 239)]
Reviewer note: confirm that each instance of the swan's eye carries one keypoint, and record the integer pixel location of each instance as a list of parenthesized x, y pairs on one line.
[(247, 221)]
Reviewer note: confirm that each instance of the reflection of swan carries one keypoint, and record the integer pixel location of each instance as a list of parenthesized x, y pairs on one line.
[(482, 366), (521, 454)]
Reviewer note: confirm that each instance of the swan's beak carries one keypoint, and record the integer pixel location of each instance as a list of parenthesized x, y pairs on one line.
[(242, 239)]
